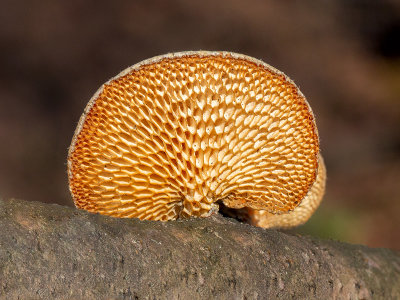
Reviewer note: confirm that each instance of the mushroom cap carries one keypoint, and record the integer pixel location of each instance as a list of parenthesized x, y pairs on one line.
[(169, 137), (295, 217)]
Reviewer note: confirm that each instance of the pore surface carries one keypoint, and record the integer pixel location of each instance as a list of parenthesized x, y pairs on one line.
[(172, 137)]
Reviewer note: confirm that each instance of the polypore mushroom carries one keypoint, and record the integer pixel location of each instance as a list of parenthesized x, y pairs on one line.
[(174, 136)]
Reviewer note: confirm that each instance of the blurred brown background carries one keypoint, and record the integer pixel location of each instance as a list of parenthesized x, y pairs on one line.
[(344, 55)]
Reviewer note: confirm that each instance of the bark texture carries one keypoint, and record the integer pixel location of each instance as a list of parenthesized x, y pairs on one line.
[(52, 252)]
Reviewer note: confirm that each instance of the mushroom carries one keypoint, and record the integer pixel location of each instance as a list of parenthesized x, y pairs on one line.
[(295, 217), (179, 135)]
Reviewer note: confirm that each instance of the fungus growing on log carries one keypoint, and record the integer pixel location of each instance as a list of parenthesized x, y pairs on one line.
[(179, 135)]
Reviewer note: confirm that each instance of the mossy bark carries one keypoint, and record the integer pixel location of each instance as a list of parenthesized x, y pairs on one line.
[(51, 251)]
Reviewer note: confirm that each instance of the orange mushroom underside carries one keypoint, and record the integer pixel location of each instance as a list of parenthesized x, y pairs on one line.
[(171, 136)]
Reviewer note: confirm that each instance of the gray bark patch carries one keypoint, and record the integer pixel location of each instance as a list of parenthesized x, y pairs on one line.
[(52, 252)]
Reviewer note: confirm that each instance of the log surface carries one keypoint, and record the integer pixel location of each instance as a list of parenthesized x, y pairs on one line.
[(49, 251)]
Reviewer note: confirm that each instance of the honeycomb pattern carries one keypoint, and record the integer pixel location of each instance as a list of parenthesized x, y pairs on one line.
[(171, 136), (298, 216)]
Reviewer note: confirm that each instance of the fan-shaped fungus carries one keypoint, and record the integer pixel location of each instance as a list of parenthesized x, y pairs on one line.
[(173, 135)]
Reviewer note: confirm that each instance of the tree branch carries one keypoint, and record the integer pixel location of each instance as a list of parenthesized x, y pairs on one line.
[(50, 251)]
